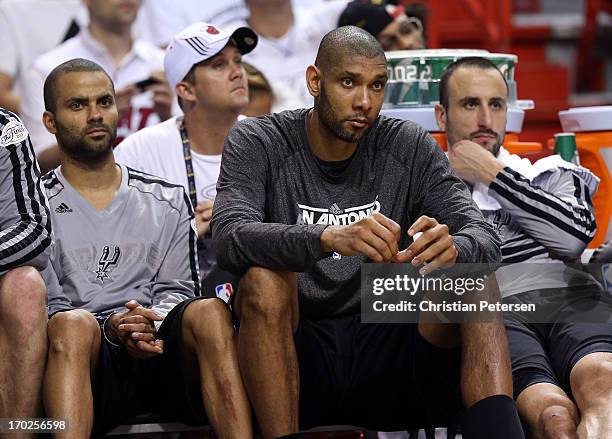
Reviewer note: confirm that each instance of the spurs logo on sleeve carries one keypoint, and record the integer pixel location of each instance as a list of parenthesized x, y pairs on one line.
[(105, 262), (500, 221)]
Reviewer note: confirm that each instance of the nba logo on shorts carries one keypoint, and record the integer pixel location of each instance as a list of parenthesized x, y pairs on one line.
[(224, 291)]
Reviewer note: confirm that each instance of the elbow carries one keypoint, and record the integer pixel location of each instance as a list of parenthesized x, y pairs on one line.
[(223, 254), (574, 248), (575, 245), (567, 250), (223, 261)]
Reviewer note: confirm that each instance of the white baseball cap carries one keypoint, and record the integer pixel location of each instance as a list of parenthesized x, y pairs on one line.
[(199, 42)]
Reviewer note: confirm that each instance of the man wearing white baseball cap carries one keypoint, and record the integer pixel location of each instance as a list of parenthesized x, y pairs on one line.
[(203, 65)]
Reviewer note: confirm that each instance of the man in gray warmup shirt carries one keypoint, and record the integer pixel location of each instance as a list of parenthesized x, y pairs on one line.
[(305, 357), (127, 331), (562, 356)]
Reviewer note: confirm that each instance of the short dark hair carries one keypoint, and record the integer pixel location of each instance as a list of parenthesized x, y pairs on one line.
[(76, 65), (476, 62), (347, 40), (190, 78)]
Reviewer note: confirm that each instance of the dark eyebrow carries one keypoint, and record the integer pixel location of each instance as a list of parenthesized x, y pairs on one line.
[(498, 99), (348, 73), (381, 77), (79, 99), (344, 73), (105, 95), (469, 100), (84, 99)]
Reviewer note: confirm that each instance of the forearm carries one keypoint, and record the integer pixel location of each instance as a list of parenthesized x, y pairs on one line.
[(558, 218), (275, 246), (477, 248), (447, 199)]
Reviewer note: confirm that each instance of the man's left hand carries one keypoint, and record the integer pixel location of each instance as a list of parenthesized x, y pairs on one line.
[(203, 215), (139, 333), (473, 163), (434, 247)]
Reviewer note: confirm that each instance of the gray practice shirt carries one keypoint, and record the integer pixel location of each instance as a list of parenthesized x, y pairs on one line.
[(275, 198), (141, 246)]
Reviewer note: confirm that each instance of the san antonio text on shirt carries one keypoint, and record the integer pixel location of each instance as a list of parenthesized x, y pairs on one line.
[(335, 216)]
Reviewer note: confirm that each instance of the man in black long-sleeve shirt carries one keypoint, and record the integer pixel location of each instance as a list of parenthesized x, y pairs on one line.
[(318, 192)]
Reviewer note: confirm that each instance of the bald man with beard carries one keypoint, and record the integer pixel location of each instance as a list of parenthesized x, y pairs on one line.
[(304, 198)]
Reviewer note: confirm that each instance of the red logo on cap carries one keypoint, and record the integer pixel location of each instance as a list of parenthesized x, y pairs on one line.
[(212, 30)]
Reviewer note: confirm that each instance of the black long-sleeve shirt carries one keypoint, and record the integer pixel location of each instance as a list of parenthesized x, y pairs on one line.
[(275, 198)]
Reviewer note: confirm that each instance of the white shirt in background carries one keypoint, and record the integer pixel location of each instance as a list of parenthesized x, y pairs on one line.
[(29, 28), (283, 61), (137, 65), (159, 20), (158, 150)]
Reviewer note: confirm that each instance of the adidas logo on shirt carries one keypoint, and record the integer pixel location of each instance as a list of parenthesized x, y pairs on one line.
[(335, 209), (63, 208)]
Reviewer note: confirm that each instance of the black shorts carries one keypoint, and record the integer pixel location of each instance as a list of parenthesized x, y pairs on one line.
[(378, 376), (220, 283), (547, 352), (124, 387)]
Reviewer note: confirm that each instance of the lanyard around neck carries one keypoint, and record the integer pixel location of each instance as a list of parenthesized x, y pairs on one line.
[(188, 165)]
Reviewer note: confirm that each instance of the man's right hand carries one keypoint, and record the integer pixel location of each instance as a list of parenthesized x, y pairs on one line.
[(203, 215), (376, 237), (135, 330), (473, 163)]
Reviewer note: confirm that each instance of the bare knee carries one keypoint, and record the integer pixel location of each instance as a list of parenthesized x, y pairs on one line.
[(73, 333), (591, 377), (557, 421), (23, 301), (208, 322), (267, 294), (549, 411)]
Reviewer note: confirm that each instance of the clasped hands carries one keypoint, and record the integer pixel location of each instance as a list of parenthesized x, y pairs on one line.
[(377, 238), (135, 330)]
